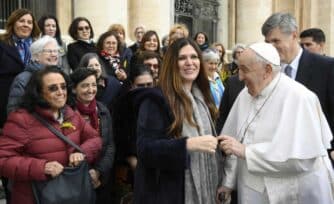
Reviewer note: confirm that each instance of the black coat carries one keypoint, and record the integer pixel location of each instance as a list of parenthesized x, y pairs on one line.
[(162, 159), (10, 65), (105, 162), (109, 92), (78, 49), (108, 150), (316, 72), (233, 86), (134, 47)]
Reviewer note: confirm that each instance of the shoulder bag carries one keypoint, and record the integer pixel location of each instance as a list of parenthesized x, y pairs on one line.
[(72, 186)]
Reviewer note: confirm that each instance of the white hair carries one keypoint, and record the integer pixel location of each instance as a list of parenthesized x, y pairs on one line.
[(210, 55), (38, 46)]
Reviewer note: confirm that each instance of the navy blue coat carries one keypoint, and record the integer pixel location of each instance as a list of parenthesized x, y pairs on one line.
[(10, 65), (162, 159)]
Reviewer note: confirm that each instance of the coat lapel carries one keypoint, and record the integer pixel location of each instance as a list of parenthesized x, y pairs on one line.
[(304, 72), (12, 52)]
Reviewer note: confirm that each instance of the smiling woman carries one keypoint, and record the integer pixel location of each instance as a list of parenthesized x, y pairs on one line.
[(114, 55), (82, 32), (84, 89), (175, 126), (21, 30), (44, 52), (45, 155)]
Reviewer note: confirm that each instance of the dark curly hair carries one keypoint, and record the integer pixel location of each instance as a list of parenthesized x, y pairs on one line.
[(33, 94)]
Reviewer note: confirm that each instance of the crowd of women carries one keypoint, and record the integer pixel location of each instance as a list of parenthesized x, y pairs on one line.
[(143, 114)]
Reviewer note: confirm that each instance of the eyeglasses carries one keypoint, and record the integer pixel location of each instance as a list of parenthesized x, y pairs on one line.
[(54, 87), (155, 66), (144, 85), (83, 28), (50, 51)]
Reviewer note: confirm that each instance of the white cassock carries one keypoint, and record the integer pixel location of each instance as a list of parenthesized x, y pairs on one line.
[(286, 137)]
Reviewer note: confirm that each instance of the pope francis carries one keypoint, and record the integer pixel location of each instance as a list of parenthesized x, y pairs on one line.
[(276, 136)]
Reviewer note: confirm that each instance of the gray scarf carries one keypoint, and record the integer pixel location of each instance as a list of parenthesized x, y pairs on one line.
[(202, 179)]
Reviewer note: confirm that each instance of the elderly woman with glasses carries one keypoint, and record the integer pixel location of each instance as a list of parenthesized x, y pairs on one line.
[(82, 32), (211, 59), (49, 26), (44, 52), (29, 151)]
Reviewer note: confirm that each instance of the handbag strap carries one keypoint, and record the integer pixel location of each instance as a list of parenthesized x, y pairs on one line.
[(56, 132)]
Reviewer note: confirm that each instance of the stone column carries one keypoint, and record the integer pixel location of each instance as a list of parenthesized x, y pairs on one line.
[(155, 15), (102, 13), (64, 15), (250, 15), (222, 26), (326, 23)]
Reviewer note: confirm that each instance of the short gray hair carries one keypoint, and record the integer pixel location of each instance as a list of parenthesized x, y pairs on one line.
[(38, 46), (139, 27), (235, 48), (284, 21), (210, 55)]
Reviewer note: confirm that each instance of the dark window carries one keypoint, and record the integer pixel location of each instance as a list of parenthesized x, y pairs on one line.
[(38, 7), (198, 15)]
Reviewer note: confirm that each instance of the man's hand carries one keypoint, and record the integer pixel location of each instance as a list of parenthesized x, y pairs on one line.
[(231, 146)]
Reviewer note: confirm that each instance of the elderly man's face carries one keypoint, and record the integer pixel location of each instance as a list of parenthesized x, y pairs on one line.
[(252, 72), (284, 43)]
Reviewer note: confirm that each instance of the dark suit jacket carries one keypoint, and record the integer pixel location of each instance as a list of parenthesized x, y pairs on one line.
[(10, 65), (134, 47), (233, 86), (316, 72)]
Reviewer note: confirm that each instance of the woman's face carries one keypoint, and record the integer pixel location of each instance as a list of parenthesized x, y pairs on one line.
[(121, 36), (210, 67), (200, 39), (83, 30), (189, 64), (153, 63), (143, 81), (50, 27), (110, 45), (151, 44), (94, 63), (219, 50), (85, 91), (49, 54), (54, 90), (23, 27)]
